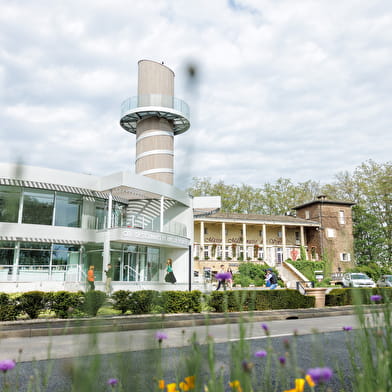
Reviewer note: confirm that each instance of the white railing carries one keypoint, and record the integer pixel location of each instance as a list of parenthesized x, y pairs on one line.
[(36, 273)]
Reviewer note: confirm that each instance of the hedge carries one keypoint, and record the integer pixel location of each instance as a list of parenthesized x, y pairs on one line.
[(351, 296), (245, 300)]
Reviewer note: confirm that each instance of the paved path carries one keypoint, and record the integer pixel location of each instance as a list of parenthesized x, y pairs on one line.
[(67, 346)]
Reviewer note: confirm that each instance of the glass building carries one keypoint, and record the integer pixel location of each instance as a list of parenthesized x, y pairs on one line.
[(52, 231)]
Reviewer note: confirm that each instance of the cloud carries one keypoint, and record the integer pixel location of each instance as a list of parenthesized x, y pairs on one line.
[(283, 89)]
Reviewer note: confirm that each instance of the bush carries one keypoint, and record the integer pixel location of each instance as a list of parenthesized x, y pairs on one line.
[(93, 300), (141, 302), (343, 296), (244, 300), (307, 267), (32, 303), (9, 310), (121, 300), (181, 301), (64, 303)]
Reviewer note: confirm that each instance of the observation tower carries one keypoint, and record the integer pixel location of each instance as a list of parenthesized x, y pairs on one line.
[(155, 116)]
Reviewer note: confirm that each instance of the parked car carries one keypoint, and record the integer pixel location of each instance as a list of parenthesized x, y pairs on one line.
[(385, 281), (357, 279)]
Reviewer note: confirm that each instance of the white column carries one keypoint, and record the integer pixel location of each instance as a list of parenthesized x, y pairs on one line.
[(264, 243), (106, 241), (202, 240), (283, 242), (161, 214), (302, 236), (223, 241), (244, 239)]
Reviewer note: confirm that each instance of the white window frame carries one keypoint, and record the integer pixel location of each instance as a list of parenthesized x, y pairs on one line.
[(344, 256), (342, 218), (331, 233)]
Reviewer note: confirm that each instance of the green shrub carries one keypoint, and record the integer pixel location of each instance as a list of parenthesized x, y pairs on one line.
[(9, 310), (64, 303), (142, 302), (121, 300), (244, 300), (181, 301), (307, 267), (32, 303), (347, 296), (93, 300)]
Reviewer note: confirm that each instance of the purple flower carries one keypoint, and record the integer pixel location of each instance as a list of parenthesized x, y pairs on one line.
[(7, 364), (160, 336), (282, 360), (223, 276), (347, 328), (320, 375), (112, 382), (375, 298), (265, 327), (260, 354)]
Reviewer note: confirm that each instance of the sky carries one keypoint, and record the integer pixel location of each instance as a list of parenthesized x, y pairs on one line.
[(286, 88)]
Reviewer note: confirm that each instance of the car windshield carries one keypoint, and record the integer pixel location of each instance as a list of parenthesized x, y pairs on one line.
[(359, 276)]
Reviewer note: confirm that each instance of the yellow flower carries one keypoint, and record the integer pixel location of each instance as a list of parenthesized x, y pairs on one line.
[(299, 386), (309, 380), (236, 385), (161, 384), (171, 387), (190, 381)]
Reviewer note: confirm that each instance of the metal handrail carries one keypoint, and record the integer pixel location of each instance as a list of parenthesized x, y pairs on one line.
[(302, 285)]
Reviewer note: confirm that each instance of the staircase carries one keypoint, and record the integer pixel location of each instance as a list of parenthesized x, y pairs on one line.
[(290, 275)]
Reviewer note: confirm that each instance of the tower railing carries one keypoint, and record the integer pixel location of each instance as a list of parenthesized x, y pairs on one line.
[(155, 100)]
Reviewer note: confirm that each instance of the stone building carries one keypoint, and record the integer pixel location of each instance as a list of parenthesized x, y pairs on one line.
[(322, 227)]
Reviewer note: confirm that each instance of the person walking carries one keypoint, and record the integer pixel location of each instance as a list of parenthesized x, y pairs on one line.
[(109, 278), (91, 278), (268, 279), (170, 278), (273, 279)]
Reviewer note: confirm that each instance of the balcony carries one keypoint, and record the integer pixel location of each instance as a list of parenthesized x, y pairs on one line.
[(140, 107)]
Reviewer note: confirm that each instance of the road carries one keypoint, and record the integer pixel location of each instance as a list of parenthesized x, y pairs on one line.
[(133, 352)]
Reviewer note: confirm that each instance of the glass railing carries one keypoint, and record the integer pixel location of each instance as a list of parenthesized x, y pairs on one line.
[(172, 227), (35, 273), (166, 101)]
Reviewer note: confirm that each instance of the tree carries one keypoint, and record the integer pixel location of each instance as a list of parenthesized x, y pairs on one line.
[(370, 187)]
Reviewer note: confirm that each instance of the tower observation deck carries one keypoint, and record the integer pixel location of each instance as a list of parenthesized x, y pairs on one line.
[(155, 116)]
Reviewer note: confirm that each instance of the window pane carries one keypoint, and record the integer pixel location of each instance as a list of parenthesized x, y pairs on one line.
[(34, 254), (65, 254), (7, 250), (38, 207), (68, 209), (9, 203)]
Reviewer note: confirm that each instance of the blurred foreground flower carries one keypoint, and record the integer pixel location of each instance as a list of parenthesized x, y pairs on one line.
[(375, 298), (7, 364), (223, 276), (160, 336), (347, 328), (260, 354), (112, 382), (235, 385), (320, 375), (188, 383)]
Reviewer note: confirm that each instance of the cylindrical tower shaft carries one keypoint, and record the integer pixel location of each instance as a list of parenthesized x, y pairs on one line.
[(154, 135), (155, 116)]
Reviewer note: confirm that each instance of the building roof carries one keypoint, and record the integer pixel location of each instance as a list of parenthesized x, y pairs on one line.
[(256, 218), (325, 201)]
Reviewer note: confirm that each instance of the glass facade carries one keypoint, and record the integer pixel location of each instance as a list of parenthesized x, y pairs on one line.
[(9, 203), (42, 207), (38, 207), (68, 210)]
